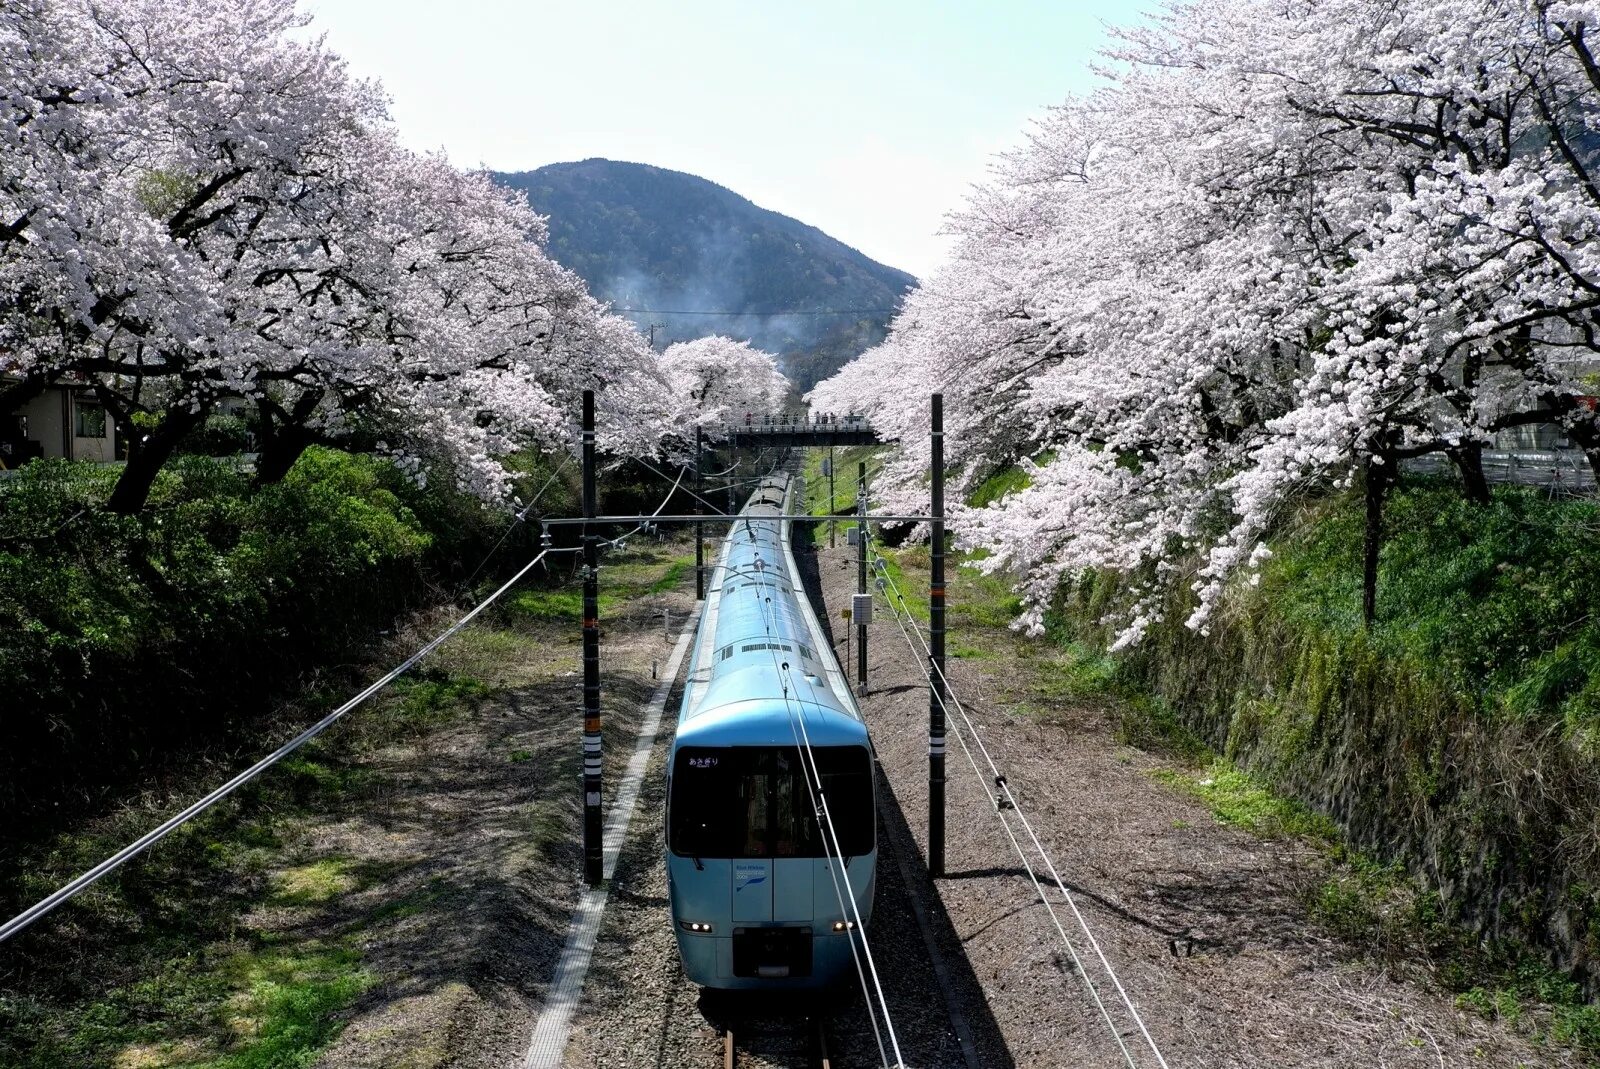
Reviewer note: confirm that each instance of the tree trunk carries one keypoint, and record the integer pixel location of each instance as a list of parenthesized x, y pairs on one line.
[(1379, 477), (146, 458), (1468, 459), (1586, 437), (279, 453)]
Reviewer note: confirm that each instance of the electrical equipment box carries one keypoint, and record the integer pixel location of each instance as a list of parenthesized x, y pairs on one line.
[(861, 608), (852, 536)]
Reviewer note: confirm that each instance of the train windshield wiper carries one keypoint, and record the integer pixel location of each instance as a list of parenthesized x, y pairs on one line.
[(698, 866)]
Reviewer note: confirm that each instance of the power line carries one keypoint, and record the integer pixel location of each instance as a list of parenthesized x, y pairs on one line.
[(819, 802), (71, 890), (887, 583)]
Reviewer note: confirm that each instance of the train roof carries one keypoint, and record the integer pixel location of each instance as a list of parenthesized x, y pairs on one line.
[(770, 722), (758, 664)]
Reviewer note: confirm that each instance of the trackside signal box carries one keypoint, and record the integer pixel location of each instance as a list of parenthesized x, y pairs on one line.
[(861, 609)]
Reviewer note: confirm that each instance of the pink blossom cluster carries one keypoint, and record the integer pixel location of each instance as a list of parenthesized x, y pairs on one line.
[(200, 208), (1286, 239)]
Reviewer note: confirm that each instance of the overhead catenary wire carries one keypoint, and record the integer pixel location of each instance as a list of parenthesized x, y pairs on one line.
[(71, 890), (520, 517), (93, 875), (844, 896), (1027, 865), (1005, 787)]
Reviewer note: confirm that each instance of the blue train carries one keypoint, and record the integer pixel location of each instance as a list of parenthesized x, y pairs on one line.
[(759, 900)]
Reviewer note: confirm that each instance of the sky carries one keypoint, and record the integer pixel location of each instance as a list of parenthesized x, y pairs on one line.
[(870, 119)]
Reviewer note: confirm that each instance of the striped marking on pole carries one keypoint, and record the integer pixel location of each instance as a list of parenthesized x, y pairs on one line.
[(554, 1027)]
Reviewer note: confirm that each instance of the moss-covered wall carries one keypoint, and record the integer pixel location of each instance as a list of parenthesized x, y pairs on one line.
[(1414, 738)]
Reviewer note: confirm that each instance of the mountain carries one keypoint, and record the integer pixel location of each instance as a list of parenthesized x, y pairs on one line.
[(647, 238)]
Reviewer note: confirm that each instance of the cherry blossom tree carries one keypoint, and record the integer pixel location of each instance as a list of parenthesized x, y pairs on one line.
[(1286, 246), (198, 203), (720, 379)]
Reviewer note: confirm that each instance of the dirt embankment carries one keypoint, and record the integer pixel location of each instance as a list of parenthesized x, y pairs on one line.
[(394, 895)]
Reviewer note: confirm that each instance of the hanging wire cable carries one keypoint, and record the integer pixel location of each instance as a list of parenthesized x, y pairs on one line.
[(520, 517), (821, 805), (692, 493), (1027, 865), (1022, 816), (71, 890), (888, 584), (617, 541)]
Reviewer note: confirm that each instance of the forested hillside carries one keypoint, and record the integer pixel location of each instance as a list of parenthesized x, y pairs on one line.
[(649, 238)]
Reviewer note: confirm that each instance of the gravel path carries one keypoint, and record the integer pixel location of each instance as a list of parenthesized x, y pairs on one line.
[(478, 848), (1252, 983)]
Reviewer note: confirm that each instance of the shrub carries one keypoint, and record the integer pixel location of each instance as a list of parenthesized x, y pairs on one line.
[(122, 636)]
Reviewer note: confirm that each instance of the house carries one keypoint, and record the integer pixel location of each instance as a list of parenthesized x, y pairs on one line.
[(62, 421)]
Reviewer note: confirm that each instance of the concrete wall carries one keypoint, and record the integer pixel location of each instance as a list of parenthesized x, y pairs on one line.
[(53, 423)]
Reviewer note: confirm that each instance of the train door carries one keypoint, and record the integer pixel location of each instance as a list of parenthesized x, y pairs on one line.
[(794, 841)]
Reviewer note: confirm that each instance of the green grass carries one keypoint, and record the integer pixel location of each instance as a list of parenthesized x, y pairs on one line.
[(1497, 601), (319, 881), (236, 1001), (624, 576), (846, 462), (1004, 482), (431, 697), (1238, 799), (680, 569), (1077, 672)]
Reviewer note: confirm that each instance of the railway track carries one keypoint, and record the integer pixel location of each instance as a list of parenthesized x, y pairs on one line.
[(768, 1046)]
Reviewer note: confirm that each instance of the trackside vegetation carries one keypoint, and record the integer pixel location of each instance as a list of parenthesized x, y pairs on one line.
[(123, 637), (246, 939), (1443, 756)]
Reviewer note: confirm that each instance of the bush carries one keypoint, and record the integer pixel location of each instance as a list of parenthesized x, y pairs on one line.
[(1498, 600), (123, 636), (221, 435)]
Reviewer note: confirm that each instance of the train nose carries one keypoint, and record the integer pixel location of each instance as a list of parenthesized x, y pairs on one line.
[(752, 890)]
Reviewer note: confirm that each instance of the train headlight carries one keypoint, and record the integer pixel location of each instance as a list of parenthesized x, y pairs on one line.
[(844, 926), (697, 927)]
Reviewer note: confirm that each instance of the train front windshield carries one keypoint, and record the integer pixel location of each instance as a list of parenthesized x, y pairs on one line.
[(750, 801)]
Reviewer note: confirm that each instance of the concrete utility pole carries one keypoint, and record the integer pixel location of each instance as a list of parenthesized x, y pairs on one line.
[(699, 508), (861, 574), (592, 853), (936, 687), (833, 524)]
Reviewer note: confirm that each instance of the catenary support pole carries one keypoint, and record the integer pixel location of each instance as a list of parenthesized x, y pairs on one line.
[(861, 572), (833, 525), (936, 687), (593, 857), (699, 507)]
